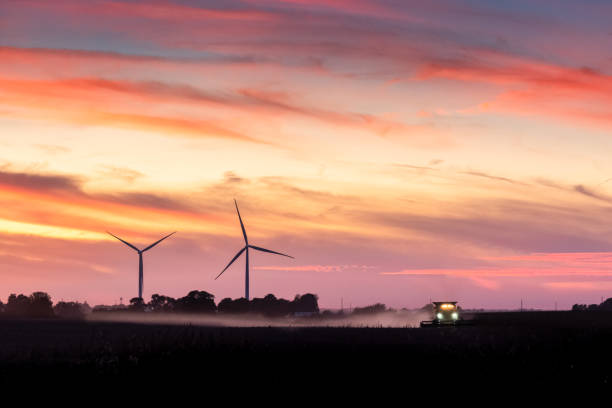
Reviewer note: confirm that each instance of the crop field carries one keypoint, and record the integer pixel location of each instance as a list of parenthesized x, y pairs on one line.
[(531, 348)]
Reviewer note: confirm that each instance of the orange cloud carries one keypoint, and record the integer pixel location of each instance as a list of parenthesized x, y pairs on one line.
[(95, 102), (66, 205), (122, 103)]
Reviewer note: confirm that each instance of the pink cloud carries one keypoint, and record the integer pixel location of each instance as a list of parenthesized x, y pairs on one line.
[(531, 87), (317, 268), (159, 10), (489, 284), (125, 104), (358, 7), (530, 266), (578, 286)]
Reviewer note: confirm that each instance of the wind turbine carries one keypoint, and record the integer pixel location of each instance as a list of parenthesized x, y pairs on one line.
[(246, 248), (140, 252)]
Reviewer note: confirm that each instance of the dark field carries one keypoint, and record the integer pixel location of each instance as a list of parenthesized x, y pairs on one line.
[(520, 348)]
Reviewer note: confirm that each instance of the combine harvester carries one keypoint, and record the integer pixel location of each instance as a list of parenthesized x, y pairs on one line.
[(445, 314)]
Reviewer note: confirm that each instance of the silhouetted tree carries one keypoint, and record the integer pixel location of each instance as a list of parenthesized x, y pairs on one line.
[(270, 306), (71, 310), (196, 302), (40, 305), (17, 305), (161, 303), (307, 303), (283, 307), (137, 304), (606, 305), (1, 307), (228, 305), (225, 305), (257, 305)]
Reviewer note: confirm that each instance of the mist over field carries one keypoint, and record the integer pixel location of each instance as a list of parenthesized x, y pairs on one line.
[(384, 319)]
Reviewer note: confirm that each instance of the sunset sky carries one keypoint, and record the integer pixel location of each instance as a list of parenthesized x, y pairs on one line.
[(399, 150)]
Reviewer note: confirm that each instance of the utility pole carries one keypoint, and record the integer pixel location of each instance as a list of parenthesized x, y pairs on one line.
[(521, 305)]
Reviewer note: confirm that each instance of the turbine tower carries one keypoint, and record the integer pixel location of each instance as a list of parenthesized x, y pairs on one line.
[(246, 248), (140, 252)]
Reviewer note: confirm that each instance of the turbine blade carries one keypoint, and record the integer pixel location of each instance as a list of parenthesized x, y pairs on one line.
[(157, 242), (125, 242), (267, 250), (232, 261), (246, 240)]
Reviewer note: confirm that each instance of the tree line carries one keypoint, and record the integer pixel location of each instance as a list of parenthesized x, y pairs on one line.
[(603, 306), (40, 305)]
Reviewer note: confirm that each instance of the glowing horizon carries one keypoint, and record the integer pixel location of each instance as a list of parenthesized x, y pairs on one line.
[(400, 151)]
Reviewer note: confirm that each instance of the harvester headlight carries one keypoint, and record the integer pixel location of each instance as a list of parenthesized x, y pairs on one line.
[(455, 316), (440, 316)]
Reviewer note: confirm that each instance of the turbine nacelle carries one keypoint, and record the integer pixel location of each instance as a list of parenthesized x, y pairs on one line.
[(140, 251), (255, 248)]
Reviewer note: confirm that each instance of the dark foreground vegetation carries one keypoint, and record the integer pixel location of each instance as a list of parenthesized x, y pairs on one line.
[(577, 352), (501, 349)]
